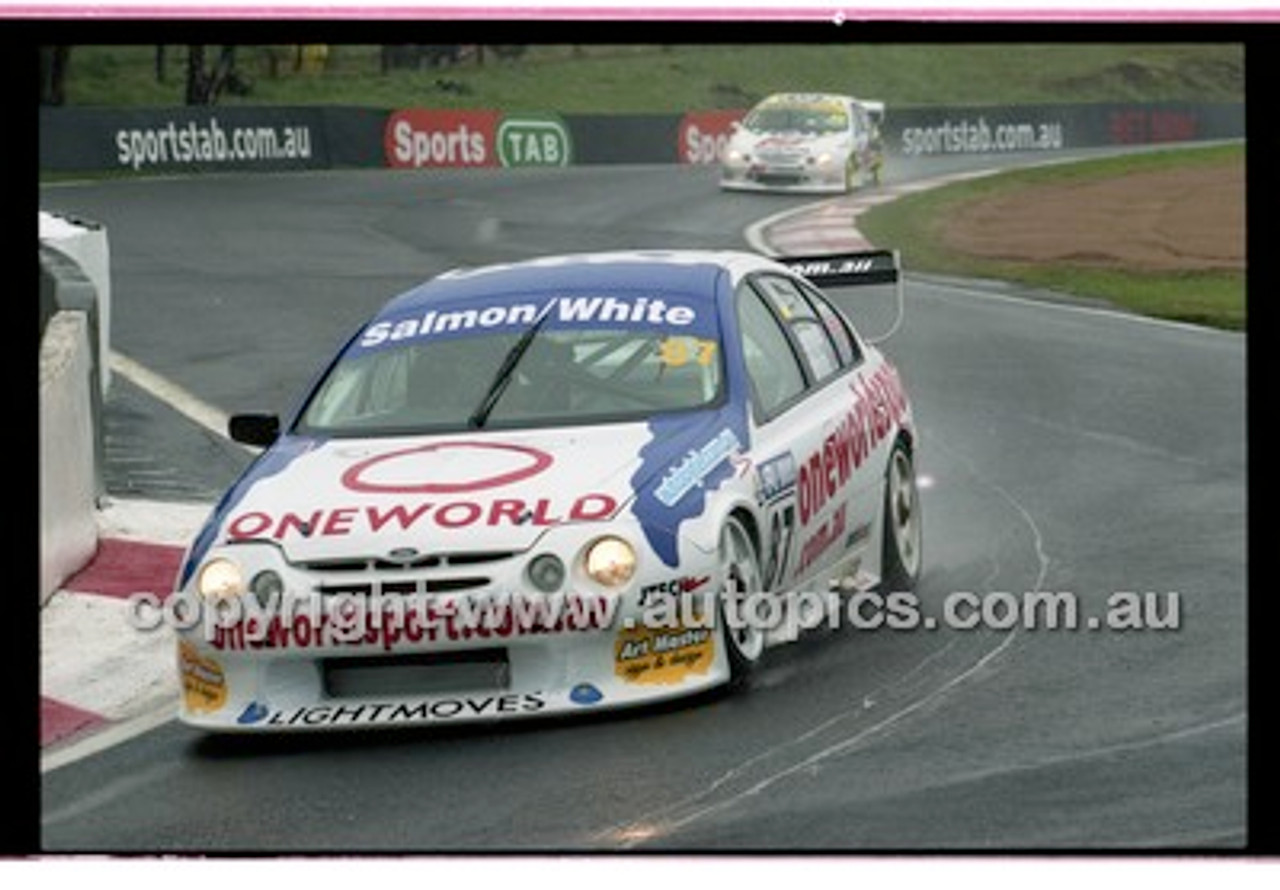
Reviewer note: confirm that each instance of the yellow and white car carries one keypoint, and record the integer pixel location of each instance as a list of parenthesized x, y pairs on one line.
[(805, 142)]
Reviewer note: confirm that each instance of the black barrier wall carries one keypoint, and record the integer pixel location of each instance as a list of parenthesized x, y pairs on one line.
[(313, 137)]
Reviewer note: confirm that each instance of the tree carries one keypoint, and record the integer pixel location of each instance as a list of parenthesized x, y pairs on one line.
[(54, 61), (204, 87)]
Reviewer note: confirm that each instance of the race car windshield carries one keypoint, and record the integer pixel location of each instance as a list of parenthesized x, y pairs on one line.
[(562, 377), (794, 119)]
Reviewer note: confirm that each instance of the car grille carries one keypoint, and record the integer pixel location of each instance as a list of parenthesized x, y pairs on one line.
[(476, 670), (776, 178), (434, 573)]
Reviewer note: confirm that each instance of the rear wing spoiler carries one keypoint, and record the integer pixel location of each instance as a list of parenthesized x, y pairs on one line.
[(861, 267)]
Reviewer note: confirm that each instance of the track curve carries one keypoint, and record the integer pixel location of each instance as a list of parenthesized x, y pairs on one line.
[(1065, 450)]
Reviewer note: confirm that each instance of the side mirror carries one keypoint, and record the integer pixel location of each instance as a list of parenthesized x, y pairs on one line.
[(259, 430)]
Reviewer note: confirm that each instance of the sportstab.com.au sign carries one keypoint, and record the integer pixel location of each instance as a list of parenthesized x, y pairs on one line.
[(420, 137), (209, 142)]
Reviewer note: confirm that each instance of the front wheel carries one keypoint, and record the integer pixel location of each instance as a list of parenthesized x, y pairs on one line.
[(740, 569), (903, 526)]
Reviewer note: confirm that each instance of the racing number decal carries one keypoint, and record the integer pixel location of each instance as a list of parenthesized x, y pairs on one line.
[(782, 528), (777, 492), (675, 352)]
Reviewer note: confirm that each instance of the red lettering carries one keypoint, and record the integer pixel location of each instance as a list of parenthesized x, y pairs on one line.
[(508, 508), (829, 466), (339, 521), (540, 513), (592, 507), (458, 514), (294, 522), (249, 525), (398, 512)]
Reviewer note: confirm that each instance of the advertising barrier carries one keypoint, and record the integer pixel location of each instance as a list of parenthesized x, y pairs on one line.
[(314, 137)]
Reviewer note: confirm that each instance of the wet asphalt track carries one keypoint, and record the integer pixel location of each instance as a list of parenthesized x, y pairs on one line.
[(1067, 450)]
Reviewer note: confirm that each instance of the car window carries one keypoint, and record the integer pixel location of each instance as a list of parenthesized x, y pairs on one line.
[(570, 373), (777, 117), (771, 363), (846, 346), (804, 323)]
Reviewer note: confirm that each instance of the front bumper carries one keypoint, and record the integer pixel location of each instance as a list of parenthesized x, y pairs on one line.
[(443, 659), (812, 178)]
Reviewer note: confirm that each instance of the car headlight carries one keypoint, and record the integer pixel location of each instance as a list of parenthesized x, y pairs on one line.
[(610, 562), (220, 579), (824, 159), (733, 156)]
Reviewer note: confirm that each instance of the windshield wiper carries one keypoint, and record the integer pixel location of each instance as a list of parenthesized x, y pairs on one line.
[(503, 375)]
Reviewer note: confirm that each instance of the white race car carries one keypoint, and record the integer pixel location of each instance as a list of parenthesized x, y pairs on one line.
[(570, 483), (811, 142)]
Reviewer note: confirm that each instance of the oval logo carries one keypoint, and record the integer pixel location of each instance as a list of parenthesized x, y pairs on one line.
[(462, 467)]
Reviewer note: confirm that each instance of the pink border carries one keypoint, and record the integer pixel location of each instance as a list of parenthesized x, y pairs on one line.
[(943, 12)]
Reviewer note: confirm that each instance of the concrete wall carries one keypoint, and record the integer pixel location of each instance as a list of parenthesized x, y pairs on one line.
[(74, 348), (68, 527)]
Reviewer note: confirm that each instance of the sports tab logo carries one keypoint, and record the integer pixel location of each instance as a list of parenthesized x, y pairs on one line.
[(421, 137)]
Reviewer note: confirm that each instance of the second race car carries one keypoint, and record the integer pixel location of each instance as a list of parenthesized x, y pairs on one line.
[(811, 142)]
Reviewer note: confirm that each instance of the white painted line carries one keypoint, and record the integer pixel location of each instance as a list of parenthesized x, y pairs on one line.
[(1030, 302), (172, 394), (108, 737)]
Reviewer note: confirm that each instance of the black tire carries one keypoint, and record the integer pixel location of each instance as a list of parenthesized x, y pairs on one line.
[(902, 549), (740, 565)]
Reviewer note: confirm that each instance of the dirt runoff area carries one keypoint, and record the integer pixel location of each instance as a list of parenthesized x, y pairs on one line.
[(1188, 218)]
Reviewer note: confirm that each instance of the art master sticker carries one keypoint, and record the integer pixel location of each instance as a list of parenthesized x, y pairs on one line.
[(204, 685), (663, 656)]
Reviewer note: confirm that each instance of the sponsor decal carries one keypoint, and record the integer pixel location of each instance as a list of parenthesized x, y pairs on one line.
[(703, 135), (776, 478), (828, 532), (392, 622), (1141, 125), (255, 712), (420, 137), (504, 316), (426, 710), (685, 474), (980, 137), (672, 587), (663, 657), (204, 685), (198, 142), (432, 138), (541, 141), (404, 516), (879, 406), (695, 467), (364, 476), (585, 694)]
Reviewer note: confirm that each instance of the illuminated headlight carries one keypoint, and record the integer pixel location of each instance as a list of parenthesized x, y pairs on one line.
[(267, 587), (823, 159), (546, 572), (610, 562), (220, 579), (733, 156)]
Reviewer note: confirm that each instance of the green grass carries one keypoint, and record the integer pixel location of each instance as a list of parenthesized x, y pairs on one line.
[(914, 224), (655, 79)]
